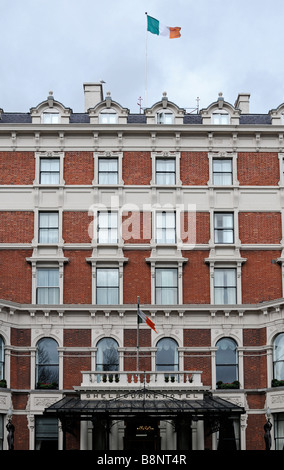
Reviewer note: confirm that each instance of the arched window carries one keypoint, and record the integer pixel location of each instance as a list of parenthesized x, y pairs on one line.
[(107, 355), (2, 359), (226, 361), (278, 357), (47, 363), (167, 355)]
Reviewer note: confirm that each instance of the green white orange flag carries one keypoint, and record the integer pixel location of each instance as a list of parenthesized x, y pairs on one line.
[(142, 318), (156, 27)]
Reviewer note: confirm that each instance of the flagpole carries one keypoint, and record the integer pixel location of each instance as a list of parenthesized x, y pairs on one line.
[(146, 62), (137, 366)]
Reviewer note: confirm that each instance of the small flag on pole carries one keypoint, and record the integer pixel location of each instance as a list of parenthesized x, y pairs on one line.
[(155, 27), (142, 318)]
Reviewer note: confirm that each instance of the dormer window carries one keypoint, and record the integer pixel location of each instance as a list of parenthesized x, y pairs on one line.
[(108, 116), (220, 117), (165, 117), (50, 117)]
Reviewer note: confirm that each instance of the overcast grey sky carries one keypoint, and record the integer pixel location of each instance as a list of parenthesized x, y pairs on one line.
[(230, 46)]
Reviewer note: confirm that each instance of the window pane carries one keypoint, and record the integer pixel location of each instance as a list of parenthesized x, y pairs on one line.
[(167, 355), (108, 171), (224, 227), (166, 286), (164, 118), (107, 227), (108, 118), (48, 227), (165, 171), (107, 355), (225, 291), (166, 231), (107, 286), (278, 357), (48, 286), (220, 118), (222, 172), (226, 360), (47, 361), (50, 118)]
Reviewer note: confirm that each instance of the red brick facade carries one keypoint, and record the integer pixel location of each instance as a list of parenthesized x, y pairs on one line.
[(17, 168), (258, 168), (260, 276)]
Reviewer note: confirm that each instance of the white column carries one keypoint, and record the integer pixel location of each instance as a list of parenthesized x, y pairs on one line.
[(200, 435), (84, 435)]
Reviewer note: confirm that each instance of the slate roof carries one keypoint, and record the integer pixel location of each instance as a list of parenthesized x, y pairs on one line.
[(83, 118)]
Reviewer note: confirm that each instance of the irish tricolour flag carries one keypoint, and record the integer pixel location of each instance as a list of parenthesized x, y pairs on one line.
[(142, 318), (155, 27)]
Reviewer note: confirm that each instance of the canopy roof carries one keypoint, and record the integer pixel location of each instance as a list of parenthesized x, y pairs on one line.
[(161, 405)]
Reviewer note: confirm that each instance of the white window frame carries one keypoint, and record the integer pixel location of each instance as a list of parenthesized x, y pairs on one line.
[(217, 118), (110, 227), (49, 155), (224, 229), (108, 116), (51, 172), (235, 286), (230, 173), (174, 288), (165, 117), (36, 226), (112, 155), (47, 286), (51, 264), (42, 229), (162, 224), (172, 173), (166, 155), (51, 117), (117, 287)]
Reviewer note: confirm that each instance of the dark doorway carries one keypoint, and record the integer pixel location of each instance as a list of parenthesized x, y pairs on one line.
[(142, 435)]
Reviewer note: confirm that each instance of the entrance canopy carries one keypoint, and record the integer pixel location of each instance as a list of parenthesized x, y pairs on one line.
[(143, 402)]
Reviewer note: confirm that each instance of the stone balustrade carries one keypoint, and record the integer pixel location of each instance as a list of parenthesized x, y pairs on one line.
[(186, 379)]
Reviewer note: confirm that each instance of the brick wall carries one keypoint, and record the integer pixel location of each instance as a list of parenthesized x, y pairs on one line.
[(75, 361), (196, 278), (194, 168), (130, 341), (260, 227), (258, 168), (77, 227), (255, 361), (198, 360), (77, 278), (136, 227), (20, 359), (22, 433), (137, 168), (261, 276), (195, 227), (16, 284), (16, 226), (255, 423), (78, 167), (137, 278), (17, 168)]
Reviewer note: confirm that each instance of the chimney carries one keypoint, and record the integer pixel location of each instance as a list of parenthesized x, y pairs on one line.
[(242, 102), (93, 93)]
